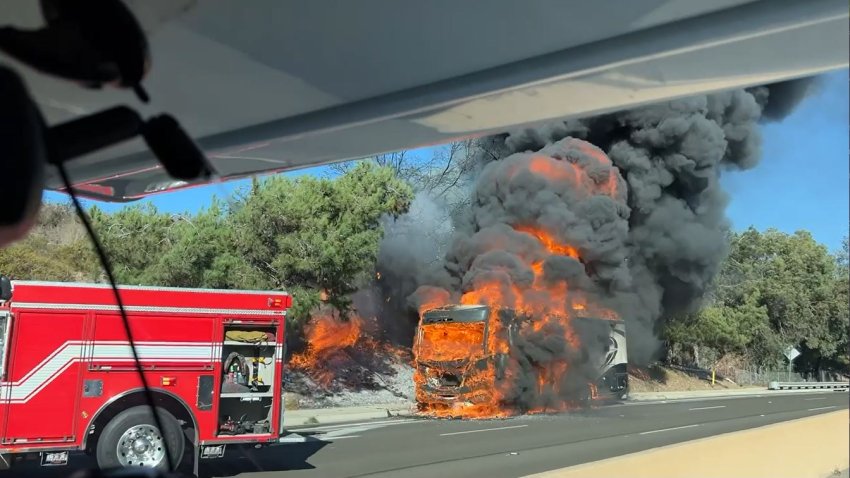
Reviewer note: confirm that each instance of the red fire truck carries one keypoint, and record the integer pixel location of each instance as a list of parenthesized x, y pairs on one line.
[(212, 359)]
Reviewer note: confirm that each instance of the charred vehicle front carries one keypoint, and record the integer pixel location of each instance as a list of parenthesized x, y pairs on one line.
[(468, 355), (452, 353)]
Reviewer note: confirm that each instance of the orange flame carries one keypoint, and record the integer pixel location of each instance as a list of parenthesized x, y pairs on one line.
[(326, 335), (559, 170), (549, 242), (553, 169), (329, 343), (451, 341), (432, 298)]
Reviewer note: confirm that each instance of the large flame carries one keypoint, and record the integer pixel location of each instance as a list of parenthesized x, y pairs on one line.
[(335, 345), (326, 336), (551, 304), (452, 341)]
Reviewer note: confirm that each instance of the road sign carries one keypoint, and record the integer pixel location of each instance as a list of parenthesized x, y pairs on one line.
[(791, 353)]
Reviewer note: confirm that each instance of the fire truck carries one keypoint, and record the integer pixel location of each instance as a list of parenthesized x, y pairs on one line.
[(212, 360)]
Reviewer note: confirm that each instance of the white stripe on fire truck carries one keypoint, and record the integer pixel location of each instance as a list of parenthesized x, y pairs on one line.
[(216, 348), (72, 352), (147, 308), (46, 360)]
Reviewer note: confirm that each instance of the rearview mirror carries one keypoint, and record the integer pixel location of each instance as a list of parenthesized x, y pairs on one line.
[(5, 288)]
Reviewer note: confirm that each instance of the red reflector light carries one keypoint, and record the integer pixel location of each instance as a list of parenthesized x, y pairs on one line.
[(168, 381), (275, 302)]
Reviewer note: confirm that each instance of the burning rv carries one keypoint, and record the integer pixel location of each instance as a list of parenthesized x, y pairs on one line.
[(471, 361)]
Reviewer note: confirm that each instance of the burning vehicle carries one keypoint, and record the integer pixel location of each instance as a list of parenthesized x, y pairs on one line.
[(522, 314), (615, 217), (471, 360)]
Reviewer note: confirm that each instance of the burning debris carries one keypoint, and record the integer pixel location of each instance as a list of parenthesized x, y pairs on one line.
[(328, 339), (343, 356)]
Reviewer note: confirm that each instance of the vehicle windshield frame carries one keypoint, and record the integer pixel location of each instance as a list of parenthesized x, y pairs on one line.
[(455, 315)]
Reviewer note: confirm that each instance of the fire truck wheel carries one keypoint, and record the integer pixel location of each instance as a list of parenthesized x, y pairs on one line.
[(131, 439)]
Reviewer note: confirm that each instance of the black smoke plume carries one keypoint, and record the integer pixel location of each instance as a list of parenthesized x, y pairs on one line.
[(652, 255)]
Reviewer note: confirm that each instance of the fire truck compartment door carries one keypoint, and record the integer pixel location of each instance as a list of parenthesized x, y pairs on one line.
[(44, 362)]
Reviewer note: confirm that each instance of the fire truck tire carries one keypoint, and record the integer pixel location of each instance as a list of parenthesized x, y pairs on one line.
[(131, 439)]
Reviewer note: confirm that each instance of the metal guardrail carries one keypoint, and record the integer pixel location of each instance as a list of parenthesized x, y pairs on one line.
[(808, 385)]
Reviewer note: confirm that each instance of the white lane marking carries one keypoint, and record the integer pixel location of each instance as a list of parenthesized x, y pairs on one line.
[(346, 431), (338, 432), (820, 408), (302, 428), (296, 438), (819, 398), (707, 408), (668, 429), (292, 438), (484, 430)]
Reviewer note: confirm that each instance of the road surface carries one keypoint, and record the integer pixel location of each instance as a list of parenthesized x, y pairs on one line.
[(413, 447)]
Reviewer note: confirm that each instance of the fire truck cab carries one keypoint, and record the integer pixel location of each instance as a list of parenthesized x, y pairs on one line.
[(212, 360)]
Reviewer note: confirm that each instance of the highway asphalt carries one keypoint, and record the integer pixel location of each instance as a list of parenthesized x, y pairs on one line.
[(415, 447)]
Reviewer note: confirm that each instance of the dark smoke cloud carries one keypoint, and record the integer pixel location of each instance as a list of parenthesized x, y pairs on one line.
[(784, 96), (509, 196), (650, 254), (543, 348)]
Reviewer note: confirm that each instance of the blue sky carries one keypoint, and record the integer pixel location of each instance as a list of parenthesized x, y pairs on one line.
[(800, 183)]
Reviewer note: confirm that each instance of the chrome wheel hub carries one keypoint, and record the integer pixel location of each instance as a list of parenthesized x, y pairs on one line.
[(141, 445)]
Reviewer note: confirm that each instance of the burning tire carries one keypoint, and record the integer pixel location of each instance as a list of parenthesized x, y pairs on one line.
[(131, 439)]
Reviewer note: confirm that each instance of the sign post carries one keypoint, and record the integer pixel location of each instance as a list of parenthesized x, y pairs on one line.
[(791, 353)]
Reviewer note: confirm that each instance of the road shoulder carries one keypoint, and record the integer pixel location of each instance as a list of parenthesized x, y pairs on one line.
[(813, 447)]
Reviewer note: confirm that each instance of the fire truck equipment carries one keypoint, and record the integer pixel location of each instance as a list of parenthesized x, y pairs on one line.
[(236, 368), (250, 336)]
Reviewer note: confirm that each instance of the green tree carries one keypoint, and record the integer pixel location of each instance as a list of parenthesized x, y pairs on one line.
[(444, 173), (721, 329), (317, 234), (135, 238), (839, 309), (794, 278), (201, 254)]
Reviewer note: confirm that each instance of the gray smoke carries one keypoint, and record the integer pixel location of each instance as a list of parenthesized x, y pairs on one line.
[(650, 250), (410, 255)]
